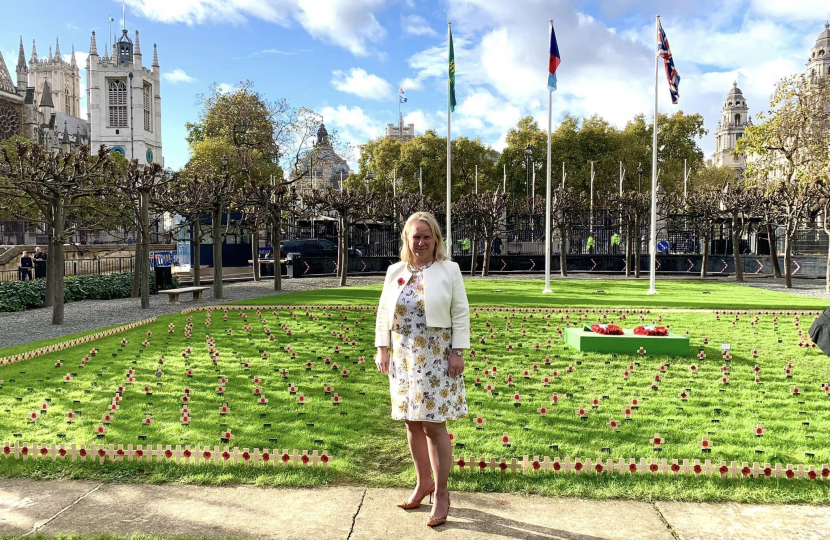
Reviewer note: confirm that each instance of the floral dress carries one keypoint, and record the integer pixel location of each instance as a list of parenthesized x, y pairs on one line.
[(421, 387)]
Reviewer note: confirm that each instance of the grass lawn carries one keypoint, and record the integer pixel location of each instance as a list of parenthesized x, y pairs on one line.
[(370, 449), (692, 294)]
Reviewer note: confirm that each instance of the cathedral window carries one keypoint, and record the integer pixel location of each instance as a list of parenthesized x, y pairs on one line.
[(148, 100), (67, 103), (117, 103)]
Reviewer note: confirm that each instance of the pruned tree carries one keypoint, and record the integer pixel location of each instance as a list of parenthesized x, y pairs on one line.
[(61, 190), (703, 210), (138, 188), (565, 208), (795, 201), (189, 197), (350, 206), (737, 205)]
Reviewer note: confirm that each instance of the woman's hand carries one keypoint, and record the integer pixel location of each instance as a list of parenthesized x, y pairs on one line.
[(456, 365), (382, 360)]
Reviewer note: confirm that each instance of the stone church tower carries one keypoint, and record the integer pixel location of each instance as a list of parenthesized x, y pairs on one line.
[(734, 120), (819, 62), (63, 78), (124, 100)]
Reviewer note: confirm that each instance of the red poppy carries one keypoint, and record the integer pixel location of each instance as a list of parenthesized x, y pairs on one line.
[(266, 456), (536, 465), (790, 473), (745, 471), (400, 281), (43, 451), (168, 454), (206, 455), (723, 469), (698, 469), (632, 467), (102, 453), (598, 467), (812, 475), (187, 453), (675, 467), (482, 465), (578, 466), (246, 456), (653, 467)]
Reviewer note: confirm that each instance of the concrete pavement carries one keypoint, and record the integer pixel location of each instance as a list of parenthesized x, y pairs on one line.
[(346, 513)]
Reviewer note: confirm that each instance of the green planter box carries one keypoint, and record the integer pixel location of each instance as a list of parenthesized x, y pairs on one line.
[(584, 340)]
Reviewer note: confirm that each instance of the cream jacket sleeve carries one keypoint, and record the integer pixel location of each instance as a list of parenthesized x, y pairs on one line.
[(383, 332), (459, 310)]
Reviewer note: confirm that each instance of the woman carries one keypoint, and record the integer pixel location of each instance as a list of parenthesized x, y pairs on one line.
[(425, 318)]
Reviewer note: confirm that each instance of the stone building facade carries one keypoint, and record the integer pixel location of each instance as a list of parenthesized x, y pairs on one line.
[(124, 100), (400, 132), (734, 120), (320, 167)]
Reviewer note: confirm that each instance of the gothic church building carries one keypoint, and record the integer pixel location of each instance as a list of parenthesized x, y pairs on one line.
[(123, 100)]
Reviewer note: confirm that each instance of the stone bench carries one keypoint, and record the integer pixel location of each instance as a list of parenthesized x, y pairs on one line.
[(173, 294)]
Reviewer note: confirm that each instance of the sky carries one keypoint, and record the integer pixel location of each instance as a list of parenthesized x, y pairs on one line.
[(347, 59)]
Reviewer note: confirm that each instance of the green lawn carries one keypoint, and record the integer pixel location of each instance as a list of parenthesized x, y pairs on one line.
[(692, 294), (370, 449)]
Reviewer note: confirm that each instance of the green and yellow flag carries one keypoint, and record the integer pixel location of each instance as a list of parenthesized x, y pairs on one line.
[(452, 76)]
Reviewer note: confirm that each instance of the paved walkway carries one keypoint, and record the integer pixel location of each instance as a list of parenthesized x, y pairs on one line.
[(346, 513)]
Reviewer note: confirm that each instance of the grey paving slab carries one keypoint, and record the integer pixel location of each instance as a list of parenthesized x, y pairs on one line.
[(26, 504), (499, 516), (213, 512), (702, 521)]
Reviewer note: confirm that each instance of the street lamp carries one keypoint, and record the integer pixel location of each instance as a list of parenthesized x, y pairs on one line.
[(639, 177), (528, 156)]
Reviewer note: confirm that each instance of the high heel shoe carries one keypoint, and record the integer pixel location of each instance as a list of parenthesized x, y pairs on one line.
[(412, 505), (434, 521)]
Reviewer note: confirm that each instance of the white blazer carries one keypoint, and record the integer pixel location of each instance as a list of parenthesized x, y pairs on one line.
[(445, 301)]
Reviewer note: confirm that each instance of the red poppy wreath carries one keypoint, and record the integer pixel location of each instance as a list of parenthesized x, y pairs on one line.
[(651, 331), (607, 329)]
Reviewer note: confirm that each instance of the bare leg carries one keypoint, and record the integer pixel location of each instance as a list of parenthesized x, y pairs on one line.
[(440, 456), (420, 455)]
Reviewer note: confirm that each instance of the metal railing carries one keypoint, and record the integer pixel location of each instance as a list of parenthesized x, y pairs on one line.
[(83, 267)]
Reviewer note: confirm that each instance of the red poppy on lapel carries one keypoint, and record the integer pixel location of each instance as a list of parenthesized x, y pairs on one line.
[(400, 281)]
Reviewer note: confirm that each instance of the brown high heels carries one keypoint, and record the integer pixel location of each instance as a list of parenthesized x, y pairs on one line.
[(434, 521), (412, 505)]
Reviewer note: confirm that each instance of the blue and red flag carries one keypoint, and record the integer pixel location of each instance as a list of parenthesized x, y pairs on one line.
[(664, 52), (553, 61)]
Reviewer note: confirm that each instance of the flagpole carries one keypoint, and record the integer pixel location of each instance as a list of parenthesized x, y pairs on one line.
[(652, 275), (547, 289), (449, 154)]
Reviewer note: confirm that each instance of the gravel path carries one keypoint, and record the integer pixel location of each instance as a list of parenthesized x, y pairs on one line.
[(24, 327)]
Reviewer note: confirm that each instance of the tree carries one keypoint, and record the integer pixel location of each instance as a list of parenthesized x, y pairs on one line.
[(212, 161), (350, 206), (789, 146), (794, 200), (139, 187), (189, 197), (565, 207), (482, 213), (61, 190), (703, 209), (737, 204)]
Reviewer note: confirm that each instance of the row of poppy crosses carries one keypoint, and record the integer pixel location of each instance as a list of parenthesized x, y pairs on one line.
[(225, 456)]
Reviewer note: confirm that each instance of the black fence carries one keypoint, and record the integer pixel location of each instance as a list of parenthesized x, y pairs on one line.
[(525, 235)]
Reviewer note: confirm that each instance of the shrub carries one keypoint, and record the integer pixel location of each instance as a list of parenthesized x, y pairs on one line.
[(22, 295)]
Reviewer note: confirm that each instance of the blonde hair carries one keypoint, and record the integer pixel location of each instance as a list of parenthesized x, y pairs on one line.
[(440, 253)]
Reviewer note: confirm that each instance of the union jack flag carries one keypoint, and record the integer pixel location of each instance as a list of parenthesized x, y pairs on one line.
[(664, 52)]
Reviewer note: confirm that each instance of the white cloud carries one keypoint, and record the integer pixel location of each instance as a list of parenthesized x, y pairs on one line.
[(792, 10), (224, 88), (350, 24), (416, 25), (177, 76), (360, 83)]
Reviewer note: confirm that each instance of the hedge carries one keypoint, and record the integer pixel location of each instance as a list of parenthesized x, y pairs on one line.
[(22, 295)]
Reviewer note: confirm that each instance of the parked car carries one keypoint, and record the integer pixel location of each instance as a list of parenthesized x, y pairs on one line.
[(318, 247)]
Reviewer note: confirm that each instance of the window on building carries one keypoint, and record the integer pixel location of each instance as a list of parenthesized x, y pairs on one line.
[(117, 94), (737, 119), (67, 101), (148, 100)]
